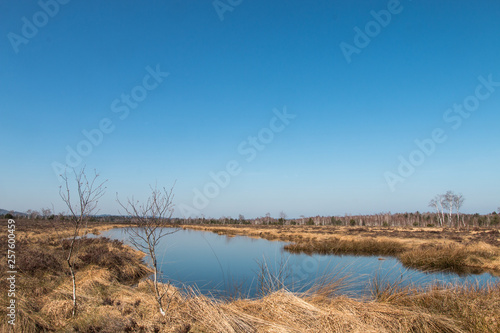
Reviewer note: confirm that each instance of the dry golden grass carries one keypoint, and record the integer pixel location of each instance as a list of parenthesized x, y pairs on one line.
[(283, 311), (343, 246), (453, 257)]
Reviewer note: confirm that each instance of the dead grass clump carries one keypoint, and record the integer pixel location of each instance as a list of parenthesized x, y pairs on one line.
[(124, 264), (103, 320), (385, 290), (348, 315), (283, 311), (100, 255), (364, 246), (215, 316), (24, 324), (57, 311), (481, 250), (28, 316), (474, 308), (95, 281), (452, 257)]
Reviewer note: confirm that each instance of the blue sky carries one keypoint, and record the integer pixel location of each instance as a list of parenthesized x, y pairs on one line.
[(350, 117)]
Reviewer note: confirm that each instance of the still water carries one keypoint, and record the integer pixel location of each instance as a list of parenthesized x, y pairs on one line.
[(224, 266)]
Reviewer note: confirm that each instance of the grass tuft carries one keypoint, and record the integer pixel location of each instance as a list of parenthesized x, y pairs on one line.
[(366, 246), (450, 257)]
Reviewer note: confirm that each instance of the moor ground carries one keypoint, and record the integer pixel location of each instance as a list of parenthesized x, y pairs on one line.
[(114, 294)]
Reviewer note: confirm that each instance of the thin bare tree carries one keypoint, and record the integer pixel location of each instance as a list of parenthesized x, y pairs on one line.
[(282, 219), (437, 203), (46, 212), (152, 220), (458, 201), (448, 203), (32, 214), (83, 204)]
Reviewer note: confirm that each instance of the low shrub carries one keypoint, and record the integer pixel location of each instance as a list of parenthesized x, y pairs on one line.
[(33, 261)]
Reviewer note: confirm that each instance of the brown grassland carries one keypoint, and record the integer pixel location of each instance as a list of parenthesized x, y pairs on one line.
[(114, 294)]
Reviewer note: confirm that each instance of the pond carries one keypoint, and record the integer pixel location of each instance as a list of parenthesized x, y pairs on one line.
[(227, 266)]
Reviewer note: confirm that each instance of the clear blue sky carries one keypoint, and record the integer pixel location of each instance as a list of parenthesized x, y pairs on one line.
[(353, 119)]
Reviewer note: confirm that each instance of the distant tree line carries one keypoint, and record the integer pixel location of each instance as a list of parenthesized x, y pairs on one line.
[(447, 214), (416, 219)]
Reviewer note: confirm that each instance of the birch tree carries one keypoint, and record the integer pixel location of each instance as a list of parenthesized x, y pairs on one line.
[(458, 201), (448, 201), (437, 203), (282, 218), (46, 212), (82, 202), (152, 219)]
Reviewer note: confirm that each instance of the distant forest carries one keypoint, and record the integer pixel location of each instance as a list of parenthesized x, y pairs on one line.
[(379, 220), (376, 220)]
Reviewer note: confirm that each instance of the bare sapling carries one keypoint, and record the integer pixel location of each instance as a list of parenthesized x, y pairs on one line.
[(82, 202), (152, 221)]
